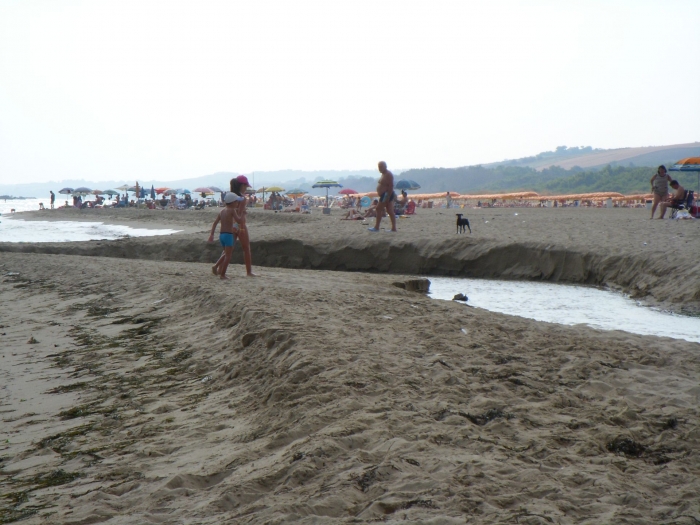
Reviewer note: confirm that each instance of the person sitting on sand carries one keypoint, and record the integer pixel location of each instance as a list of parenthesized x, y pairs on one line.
[(229, 218), (401, 203), (353, 215), (372, 210), (677, 197)]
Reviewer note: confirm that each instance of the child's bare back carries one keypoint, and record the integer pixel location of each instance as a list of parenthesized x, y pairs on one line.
[(228, 217)]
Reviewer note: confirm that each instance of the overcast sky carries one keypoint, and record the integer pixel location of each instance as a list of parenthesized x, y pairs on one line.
[(172, 89)]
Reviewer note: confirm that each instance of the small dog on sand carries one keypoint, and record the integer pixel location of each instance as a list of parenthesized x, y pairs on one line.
[(462, 224)]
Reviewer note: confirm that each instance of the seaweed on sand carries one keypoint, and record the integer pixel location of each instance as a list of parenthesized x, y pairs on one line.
[(58, 442), (626, 446), (489, 415)]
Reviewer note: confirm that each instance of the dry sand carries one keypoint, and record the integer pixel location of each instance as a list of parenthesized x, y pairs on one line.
[(153, 393)]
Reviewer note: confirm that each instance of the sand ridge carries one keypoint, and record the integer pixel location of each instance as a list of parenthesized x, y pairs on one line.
[(327, 397), (652, 260)]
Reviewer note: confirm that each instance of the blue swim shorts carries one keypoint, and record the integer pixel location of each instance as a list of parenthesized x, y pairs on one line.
[(387, 196), (226, 239)]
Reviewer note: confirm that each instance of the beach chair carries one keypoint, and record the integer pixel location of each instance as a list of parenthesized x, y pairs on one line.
[(684, 205), (410, 208)]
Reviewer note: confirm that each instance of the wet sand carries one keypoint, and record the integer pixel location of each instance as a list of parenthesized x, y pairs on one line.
[(152, 392)]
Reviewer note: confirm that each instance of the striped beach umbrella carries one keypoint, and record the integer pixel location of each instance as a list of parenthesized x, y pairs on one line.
[(327, 184)]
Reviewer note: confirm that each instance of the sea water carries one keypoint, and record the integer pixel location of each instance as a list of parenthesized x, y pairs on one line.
[(568, 305), (14, 229)]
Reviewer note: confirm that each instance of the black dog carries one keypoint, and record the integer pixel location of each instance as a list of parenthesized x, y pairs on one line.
[(462, 224)]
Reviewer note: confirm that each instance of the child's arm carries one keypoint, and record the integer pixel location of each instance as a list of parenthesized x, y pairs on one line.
[(213, 228)]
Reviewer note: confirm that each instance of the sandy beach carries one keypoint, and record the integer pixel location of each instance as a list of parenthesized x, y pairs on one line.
[(138, 388)]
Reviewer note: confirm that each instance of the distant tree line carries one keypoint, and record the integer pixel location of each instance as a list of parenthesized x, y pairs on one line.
[(552, 180), (561, 152)]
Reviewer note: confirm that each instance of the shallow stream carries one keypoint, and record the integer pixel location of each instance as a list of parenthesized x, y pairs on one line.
[(568, 305), (16, 230)]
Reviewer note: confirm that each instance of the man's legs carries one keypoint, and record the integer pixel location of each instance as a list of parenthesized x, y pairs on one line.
[(392, 215), (663, 207), (380, 213)]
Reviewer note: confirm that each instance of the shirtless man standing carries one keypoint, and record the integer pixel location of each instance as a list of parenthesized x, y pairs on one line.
[(385, 190)]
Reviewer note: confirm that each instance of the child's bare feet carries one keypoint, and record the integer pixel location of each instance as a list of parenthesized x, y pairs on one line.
[(251, 274), (223, 277), (214, 270)]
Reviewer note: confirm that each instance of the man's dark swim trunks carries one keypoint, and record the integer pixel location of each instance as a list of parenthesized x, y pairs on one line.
[(387, 196)]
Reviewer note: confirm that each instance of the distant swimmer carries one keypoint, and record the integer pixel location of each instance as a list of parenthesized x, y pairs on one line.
[(385, 190)]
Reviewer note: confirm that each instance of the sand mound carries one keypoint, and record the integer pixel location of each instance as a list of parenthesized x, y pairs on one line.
[(653, 276), (174, 398)]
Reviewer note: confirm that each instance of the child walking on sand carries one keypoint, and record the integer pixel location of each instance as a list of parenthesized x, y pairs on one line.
[(239, 185), (229, 218)]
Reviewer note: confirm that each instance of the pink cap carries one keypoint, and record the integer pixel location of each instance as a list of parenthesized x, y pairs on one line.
[(242, 179)]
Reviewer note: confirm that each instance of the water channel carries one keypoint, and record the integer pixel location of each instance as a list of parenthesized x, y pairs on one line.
[(568, 305)]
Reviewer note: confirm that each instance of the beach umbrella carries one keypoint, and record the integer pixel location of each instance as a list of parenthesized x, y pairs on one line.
[(347, 191), (170, 192), (216, 189), (405, 184), (97, 192), (183, 191), (142, 193), (296, 191), (123, 187), (204, 191), (278, 189), (327, 184), (66, 191), (162, 189), (82, 189), (111, 192), (262, 190), (132, 188), (689, 164), (153, 192)]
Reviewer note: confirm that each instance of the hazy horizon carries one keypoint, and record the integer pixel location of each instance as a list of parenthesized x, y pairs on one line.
[(151, 91)]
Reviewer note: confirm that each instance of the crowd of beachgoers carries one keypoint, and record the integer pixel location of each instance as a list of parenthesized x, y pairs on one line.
[(295, 202)]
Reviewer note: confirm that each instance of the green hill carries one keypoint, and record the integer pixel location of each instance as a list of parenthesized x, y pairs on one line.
[(549, 181)]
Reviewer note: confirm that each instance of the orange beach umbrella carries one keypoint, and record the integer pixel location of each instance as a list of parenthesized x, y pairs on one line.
[(689, 164), (637, 197)]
